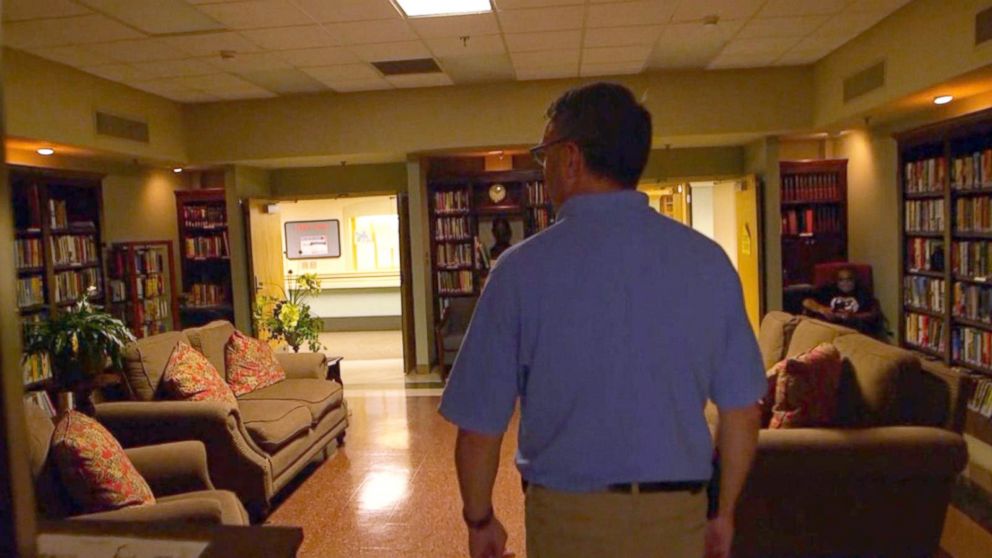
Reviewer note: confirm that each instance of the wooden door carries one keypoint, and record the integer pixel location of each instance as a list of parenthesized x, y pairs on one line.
[(406, 284), (265, 250), (749, 246)]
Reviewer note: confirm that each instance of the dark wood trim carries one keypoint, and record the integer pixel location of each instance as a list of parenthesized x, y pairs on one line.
[(408, 325)]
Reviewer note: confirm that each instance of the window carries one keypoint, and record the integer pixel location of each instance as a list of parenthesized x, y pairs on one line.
[(376, 243)]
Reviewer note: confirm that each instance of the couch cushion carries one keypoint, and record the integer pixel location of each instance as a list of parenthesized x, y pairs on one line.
[(250, 364), (231, 510), (319, 396), (94, 468), (189, 376), (806, 389), (774, 335), (145, 360), (211, 340), (878, 379), (273, 424), (809, 333)]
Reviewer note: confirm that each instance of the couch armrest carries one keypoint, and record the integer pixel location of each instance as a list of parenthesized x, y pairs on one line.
[(193, 510), (235, 462), (303, 365), (175, 468)]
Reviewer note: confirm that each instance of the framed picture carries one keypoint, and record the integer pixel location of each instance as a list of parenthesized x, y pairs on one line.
[(312, 240)]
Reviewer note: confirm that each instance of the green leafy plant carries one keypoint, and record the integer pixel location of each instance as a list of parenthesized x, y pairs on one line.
[(288, 318), (79, 341)]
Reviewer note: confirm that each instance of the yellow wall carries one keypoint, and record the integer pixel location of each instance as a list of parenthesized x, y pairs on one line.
[(665, 165), (242, 182), (351, 179), (762, 158), (800, 150)]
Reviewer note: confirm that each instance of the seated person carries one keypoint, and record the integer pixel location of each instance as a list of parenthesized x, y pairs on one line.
[(844, 302)]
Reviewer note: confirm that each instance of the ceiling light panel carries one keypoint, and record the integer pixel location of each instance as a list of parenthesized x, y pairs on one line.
[(432, 8)]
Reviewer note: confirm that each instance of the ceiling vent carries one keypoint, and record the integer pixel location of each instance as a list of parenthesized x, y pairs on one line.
[(406, 67), (119, 127), (865, 81), (983, 26)]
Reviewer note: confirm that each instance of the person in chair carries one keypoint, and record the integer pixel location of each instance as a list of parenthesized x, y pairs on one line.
[(845, 302), (502, 233)]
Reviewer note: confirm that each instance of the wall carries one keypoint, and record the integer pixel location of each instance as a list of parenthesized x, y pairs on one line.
[(702, 207), (242, 182), (798, 150), (352, 179), (725, 218), (665, 165), (762, 158)]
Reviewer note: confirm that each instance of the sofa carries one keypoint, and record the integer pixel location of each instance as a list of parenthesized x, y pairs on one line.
[(254, 448), (177, 474), (877, 484)]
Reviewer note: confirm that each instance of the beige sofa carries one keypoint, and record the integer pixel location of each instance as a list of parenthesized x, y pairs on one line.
[(878, 484), (255, 448)]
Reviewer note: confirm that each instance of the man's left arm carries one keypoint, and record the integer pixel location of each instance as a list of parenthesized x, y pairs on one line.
[(477, 461)]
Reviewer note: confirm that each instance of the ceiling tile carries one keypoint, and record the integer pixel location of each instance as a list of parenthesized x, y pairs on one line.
[(88, 29), (686, 45), (419, 80), (243, 93), (249, 62), (215, 82), (475, 69), (545, 58), (774, 8), (175, 68), (696, 10), (156, 16), (527, 74), (630, 13), (318, 56), (622, 36), (781, 27), (455, 26), (544, 40), (16, 10), (298, 36), (170, 89), (480, 45), (677, 58), (349, 10), (349, 86), (800, 57), (774, 47), (343, 72), (257, 14), (209, 44), (119, 72), (848, 25), (517, 4), (284, 82), (403, 50), (542, 19), (610, 68), (605, 55), (824, 44), (748, 60), (77, 56), (364, 32), (883, 6), (141, 50)]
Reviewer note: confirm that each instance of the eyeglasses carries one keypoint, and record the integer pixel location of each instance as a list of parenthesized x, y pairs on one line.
[(540, 152)]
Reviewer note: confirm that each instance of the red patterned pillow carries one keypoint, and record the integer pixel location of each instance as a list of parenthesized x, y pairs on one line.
[(806, 390), (189, 376), (96, 472), (250, 364), (767, 403)]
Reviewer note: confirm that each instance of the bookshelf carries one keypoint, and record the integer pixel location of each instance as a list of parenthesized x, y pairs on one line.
[(58, 247), (142, 286), (205, 257), (462, 209), (814, 216)]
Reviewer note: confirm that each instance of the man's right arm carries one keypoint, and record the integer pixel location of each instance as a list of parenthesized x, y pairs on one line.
[(737, 440)]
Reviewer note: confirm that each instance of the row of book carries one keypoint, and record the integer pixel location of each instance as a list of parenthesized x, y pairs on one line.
[(150, 286), (981, 398), (973, 302), (452, 228), (455, 200), (971, 258), (455, 255), (972, 171), (810, 187), (152, 310), (924, 293), (541, 218), (30, 291), (536, 194), (58, 213), (118, 290), (926, 175), (35, 368), (207, 294), (29, 253), (973, 214), (204, 216), (811, 220), (145, 261), (925, 254), (70, 285), (215, 246), (925, 216), (972, 346), (925, 331), (74, 249), (454, 282)]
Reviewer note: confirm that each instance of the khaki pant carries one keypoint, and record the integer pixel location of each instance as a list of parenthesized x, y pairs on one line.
[(604, 524)]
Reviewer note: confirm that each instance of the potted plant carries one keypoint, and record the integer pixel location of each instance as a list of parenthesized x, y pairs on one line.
[(79, 342), (287, 318)]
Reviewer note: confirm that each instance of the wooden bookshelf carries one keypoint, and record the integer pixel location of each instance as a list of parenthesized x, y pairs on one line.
[(58, 222), (142, 286), (814, 216), (205, 257)]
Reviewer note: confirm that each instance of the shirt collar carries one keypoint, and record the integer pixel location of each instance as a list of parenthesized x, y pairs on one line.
[(609, 202)]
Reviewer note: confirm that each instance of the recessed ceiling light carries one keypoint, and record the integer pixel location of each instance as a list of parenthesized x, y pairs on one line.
[(177, 170), (46, 151), (943, 99), (430, 8)]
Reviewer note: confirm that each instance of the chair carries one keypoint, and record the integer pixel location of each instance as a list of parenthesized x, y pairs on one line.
[(450, 330), (825, 273)]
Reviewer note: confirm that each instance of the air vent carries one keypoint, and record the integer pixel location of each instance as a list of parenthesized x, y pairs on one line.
[(983, 26), (405, 67), (865, 81), (119, 127)]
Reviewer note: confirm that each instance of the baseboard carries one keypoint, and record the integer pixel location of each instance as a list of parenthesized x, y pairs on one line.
[(364, 323)]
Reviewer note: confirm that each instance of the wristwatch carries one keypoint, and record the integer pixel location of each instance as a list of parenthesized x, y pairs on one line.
[(481, 523)]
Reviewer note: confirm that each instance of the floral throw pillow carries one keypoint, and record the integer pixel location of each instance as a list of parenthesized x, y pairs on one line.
[(189, 376), (250, 364), (806, 391), (96, 472), (767, 403)]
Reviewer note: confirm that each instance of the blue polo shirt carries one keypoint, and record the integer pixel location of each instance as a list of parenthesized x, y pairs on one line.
[(612, 328)]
